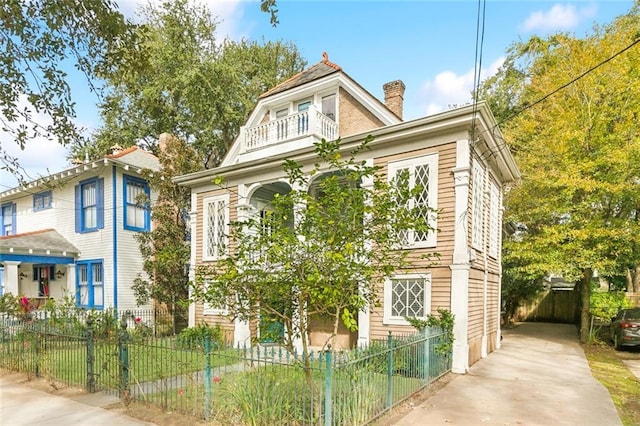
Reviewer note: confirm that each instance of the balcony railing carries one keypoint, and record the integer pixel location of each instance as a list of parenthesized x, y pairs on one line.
[(305, 123)]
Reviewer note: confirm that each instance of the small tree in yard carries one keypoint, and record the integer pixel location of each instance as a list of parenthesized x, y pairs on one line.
[(321, 253), (164, 249)]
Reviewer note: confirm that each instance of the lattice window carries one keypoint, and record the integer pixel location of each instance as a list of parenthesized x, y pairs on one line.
[(478, 203), (216, 227), (494, 221), (419, 172), (407, 296)]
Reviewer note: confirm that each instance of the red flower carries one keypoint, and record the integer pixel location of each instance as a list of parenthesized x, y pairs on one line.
[(138, 320), (216, 379), (180, 392)]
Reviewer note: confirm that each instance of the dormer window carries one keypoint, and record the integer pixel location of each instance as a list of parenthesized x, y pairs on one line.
[(329, 106)]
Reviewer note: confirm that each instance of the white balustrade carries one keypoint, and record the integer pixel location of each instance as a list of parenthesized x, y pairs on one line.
[(301, 124)]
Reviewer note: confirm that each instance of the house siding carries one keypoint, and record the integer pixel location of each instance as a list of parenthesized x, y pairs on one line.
[(200, 317), (354, 117), (97, 245), (439, 270)]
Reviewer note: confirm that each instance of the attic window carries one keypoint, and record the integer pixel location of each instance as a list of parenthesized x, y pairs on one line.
[(329, 106)]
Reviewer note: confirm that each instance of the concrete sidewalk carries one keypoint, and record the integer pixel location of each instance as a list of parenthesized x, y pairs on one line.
[(540, 376), (21, 404)]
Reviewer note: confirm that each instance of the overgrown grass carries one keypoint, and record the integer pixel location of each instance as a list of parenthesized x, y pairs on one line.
[(280, 394), (65, 361), (624, 388)]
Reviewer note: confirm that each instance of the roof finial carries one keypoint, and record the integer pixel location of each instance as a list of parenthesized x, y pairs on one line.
[(325, 57)]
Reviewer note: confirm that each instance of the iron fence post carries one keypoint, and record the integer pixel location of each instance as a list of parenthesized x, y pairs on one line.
[(123, 346), (207, 376), (91, 380), (328, 399), (389, 370), (426, 362), (36, 351)]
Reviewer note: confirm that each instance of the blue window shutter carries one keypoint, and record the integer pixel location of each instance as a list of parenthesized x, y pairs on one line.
[(13, 218), (100, 202), (78, 209)]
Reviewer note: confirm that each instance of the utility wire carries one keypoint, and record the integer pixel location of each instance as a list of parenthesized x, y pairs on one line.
[(493, 129), (478, 61)]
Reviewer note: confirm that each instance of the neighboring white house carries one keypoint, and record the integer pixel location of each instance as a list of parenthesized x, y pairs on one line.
[(458, 157), (72, 233)]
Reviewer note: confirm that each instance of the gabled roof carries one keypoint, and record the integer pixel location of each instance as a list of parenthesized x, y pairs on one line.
[(37, 241), (130, 158), (319, 70)]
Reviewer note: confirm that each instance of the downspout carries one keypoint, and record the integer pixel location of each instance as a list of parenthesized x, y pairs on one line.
[(115, 236)]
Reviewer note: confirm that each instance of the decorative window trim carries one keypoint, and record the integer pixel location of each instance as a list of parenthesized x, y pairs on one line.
[(81, 227), (132, 180), (430, 160), (215, 253), (494, 220), (477, 207), (388, 317), (91, 287), (3, 222), (42, 201)]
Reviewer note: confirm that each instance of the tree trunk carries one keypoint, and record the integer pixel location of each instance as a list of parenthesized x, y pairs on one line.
[(585, 296), (635, 287)]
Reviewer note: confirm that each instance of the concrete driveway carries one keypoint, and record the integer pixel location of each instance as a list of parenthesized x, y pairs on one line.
[(540, 376)]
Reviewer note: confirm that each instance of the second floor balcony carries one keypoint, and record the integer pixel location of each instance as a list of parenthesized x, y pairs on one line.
[(311, 124)]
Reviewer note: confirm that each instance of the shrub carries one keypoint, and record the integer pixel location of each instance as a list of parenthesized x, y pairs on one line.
[(194, 337)]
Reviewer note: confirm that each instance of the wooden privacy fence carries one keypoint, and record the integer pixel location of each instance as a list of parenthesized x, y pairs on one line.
[(551, 306)]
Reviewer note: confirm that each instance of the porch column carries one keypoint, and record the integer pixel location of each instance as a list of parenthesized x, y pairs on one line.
[(297, 339), (193, 221), (241, 329), (460, 266), (11, 280), (70, 274), (364, 315)]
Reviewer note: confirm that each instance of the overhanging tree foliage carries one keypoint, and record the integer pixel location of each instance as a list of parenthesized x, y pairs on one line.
[(579, 151), (319, 253), (179, 78), (40, 41)]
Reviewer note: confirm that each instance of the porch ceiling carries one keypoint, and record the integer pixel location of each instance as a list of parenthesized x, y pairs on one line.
[(46, 241)]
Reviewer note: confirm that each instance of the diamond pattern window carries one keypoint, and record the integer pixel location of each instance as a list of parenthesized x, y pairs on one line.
[(407, 296), (216, 227), (421, 172)]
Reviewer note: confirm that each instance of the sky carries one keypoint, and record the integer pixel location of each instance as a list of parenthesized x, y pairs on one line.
[(429, 45)]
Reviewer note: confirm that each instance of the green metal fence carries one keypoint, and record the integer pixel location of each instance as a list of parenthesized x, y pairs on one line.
[(207, 379)]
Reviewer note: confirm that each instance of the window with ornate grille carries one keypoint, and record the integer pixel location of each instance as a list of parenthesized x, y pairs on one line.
[(494, 220), (419, 172), (407, 296), (478, 205), (216, 223)]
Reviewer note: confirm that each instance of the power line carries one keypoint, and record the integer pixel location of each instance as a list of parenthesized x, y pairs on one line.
[(478, 61), (493, 129), (545, 97)]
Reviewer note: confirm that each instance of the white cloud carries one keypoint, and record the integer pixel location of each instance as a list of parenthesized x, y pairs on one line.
[(448, 88), (227, 13), (40, 157), (560, 17)]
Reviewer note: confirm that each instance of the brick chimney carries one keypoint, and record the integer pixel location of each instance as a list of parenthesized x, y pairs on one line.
[(394, 96)]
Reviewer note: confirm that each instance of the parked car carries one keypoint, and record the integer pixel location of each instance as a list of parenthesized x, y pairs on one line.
[(625, 328)]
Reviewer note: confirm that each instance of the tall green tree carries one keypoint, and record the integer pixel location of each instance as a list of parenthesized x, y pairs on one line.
[(165, 249), (578, 146), (321, 253), (180, 79)]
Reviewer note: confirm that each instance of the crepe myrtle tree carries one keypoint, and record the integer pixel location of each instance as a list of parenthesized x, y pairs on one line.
[(320, 253)]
